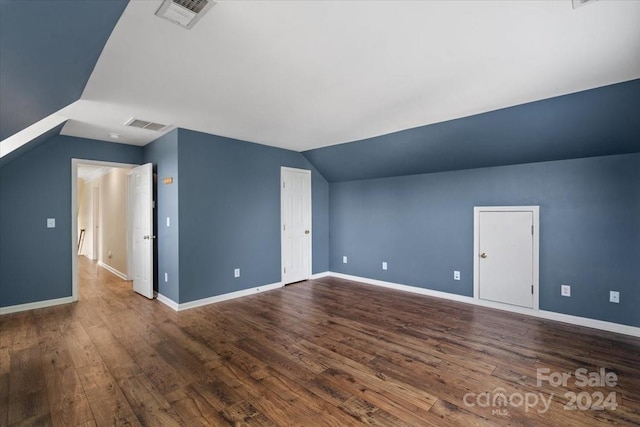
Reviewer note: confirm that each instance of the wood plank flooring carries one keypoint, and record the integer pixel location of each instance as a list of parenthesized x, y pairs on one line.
[(327, 352)]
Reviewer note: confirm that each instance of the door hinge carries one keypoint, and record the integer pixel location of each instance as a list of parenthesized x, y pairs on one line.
[(283, 184), (284, 270), (531, 289), (284, 227), (532, 230)]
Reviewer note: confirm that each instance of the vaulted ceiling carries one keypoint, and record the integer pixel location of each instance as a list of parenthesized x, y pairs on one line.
[(303, 75), (48, 50)]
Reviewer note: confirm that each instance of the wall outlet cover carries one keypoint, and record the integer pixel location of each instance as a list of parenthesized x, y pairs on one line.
[(384, 265), (565, 290), (456, 275), (614, 296), (236, 273), (51, 223), (344, 259)]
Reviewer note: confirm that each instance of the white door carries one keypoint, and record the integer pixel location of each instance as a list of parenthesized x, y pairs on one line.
[(505, 256), (296, 224), (141, 185)]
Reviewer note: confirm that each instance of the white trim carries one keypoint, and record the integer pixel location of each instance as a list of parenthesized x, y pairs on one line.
[(35, 305), (74, 215), (542, 314), (167, 301), (590, 323), (320, 275), (405, 288), (30, 133), (535, 210), (129, 224), (306, 172), (217, 298), (112, 270)]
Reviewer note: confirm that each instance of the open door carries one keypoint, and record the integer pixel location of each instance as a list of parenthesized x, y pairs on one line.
[(141, 185)]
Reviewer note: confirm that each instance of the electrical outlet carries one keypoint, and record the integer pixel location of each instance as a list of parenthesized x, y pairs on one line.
[(456, 275), (166, 277), (384, 265), (614, 296), (236, 273), (51, 223), (565, 290), (344, 259)]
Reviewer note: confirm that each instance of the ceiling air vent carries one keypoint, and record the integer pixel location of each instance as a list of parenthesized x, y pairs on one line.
[(579, 3), (143, 124), (185, 13)]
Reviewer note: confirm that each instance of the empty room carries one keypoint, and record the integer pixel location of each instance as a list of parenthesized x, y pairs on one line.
[(319, 213)]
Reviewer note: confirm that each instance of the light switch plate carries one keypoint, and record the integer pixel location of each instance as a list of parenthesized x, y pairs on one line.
[(565, 290), (344, 259), (236, 273), (384, 265), (168, 222), (51, 223)]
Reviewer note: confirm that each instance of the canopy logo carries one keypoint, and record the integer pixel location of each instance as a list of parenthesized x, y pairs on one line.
[(500, 401)]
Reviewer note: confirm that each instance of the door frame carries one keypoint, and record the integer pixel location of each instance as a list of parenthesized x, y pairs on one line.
[(535, 210), (306, 172), (96, 229), (74, 217)]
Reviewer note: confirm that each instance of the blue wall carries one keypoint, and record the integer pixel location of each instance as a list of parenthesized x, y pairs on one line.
[(35, 262), (224, 207), (163, 153), (591, 123), (225, 214), (422, 225), (230, 214), (48, 51)]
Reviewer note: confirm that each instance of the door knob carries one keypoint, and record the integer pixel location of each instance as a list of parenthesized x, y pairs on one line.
[(306, 231), (147, 237), (483, 255)]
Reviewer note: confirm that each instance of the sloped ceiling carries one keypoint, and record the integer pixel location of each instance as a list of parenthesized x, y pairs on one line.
[(48, 49), (313, 74), (596, 122), (308, 74)]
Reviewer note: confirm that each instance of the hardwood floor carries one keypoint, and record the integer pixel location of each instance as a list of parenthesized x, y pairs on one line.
[(327, 352)]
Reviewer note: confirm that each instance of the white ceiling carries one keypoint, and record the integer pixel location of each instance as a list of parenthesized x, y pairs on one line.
[(91, 172), (307, 74)]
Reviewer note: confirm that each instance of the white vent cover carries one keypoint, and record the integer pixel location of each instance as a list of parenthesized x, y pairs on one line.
[(144, 124), (185, 13), (578, 3)]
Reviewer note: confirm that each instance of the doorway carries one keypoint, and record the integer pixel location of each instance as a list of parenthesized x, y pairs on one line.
[(94, 231), (99, 206), (295, 208), (506, 255)]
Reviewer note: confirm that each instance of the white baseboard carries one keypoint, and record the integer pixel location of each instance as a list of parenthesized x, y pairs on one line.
[(112, 270), (167, 301), (590, 323), (549, 315), (35, 305), (320, 275), (217, 298)]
